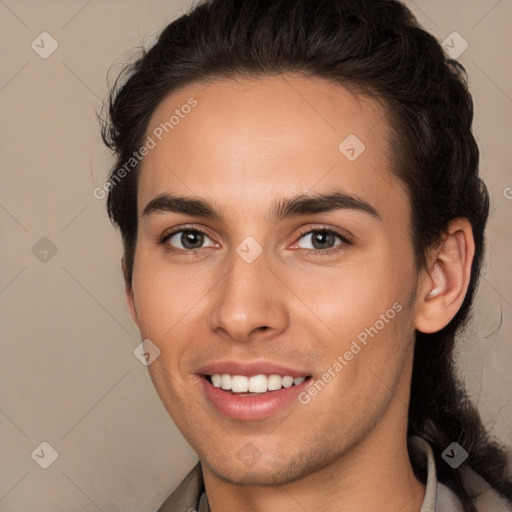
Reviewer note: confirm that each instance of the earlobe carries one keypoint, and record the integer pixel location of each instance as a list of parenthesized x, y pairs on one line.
[(130, 300), (447, 279)]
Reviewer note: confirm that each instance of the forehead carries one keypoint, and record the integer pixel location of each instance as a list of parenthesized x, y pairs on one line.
[(249, 141)]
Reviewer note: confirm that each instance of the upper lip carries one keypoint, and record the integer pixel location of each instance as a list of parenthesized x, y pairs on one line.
[(250, 368)]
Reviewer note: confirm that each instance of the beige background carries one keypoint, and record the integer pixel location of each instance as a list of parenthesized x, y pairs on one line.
[(68, 375)]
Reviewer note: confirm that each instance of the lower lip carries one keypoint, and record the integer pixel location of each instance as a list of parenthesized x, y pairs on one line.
[(251, 408)]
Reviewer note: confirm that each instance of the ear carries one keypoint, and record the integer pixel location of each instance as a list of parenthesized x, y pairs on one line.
[(446, 279), (129, 293)]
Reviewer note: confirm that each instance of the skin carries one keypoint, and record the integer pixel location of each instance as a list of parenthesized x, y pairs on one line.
[(245, 144)]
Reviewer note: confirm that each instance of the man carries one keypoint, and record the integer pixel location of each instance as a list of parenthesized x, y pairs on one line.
[(297, 189)]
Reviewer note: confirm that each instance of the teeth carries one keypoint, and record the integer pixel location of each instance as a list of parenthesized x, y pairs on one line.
[(225, 382), (239, 384), (254, 384), (275, 382), (258, 384), (287, 381)]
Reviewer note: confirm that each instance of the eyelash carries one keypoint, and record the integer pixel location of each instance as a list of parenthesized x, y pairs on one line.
[(310, 252)]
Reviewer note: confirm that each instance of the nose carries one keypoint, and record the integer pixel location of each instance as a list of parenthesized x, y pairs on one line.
[(250, 299)]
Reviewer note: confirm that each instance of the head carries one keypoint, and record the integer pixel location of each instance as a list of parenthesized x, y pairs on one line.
[(355, 111)]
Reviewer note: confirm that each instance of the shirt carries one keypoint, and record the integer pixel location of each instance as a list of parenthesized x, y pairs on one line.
[(190, 495)]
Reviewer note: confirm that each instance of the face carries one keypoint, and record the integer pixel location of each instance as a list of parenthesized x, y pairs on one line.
[(258, 284)]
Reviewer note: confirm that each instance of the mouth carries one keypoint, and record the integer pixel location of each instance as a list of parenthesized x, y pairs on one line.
[(252, 397)]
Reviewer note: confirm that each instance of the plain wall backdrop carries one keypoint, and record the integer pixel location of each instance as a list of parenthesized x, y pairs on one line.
[(68, 374)]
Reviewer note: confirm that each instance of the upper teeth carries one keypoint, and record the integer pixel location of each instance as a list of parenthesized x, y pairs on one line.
[(254, 384)]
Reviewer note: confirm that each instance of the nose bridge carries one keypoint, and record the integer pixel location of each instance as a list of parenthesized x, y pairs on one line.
[(249, 297)]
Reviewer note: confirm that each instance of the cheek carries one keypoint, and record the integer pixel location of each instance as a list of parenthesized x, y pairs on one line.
[(366, 308), (351, 297), (164, 294)]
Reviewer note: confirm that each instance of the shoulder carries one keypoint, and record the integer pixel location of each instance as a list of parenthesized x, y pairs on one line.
[(487, 498), (441, 498)]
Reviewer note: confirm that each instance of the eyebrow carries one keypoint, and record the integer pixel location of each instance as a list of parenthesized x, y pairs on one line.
[(299, 205)]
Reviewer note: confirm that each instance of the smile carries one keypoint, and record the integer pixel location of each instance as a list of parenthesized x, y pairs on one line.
[(252, 398), (255, 384)]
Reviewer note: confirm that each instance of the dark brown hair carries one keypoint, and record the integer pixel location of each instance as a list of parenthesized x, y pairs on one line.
[(377, 48)]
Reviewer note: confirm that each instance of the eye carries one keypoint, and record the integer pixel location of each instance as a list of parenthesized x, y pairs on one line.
[(322, 240), (185, 240)]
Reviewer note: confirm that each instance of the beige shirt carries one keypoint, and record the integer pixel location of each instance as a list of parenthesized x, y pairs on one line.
[(190, 495)]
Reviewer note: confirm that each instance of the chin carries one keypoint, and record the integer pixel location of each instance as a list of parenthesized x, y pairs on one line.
[(261, 476), (266, 472)]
